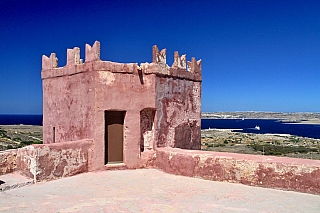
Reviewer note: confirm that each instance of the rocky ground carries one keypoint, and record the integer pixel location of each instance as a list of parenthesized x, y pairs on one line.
[(222, 140), (15, 136)]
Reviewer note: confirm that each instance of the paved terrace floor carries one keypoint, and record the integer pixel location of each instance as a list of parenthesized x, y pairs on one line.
[(150, 190)]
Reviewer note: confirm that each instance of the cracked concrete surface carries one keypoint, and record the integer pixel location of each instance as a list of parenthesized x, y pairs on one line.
[(150, 190), (13, 180)]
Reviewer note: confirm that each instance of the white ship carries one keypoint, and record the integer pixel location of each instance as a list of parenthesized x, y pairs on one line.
[(257, 127)]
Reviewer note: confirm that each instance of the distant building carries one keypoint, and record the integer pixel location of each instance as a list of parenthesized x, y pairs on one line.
[(126, 109)]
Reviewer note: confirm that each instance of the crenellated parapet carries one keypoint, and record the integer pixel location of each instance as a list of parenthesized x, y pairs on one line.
[(49, 62), (159, 57), (75, 65), (73, 56), (179, 62), (181, 68), (147, 106), (195, 67), (93, 53)]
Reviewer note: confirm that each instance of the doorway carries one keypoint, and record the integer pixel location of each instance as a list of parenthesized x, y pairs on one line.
[(114, 121), (147, 129)]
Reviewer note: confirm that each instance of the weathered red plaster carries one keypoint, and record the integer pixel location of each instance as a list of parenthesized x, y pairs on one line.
[(162, 113), (76, 96), (8, 161), (267, 171), (51, 161)]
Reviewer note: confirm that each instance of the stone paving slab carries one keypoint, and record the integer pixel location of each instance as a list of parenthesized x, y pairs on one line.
[(13, 180), (150, 190)]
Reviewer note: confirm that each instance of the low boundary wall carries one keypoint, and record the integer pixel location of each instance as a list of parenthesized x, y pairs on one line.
[(52, 161), (295, 174), (8, 161), (48, 161)]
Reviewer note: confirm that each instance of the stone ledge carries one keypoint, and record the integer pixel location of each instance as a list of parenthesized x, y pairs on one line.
[(49, 161), (8, 161), (300, 175), (115, 67)]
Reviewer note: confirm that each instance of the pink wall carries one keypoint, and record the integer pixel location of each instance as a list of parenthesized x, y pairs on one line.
[(124, 92), (255, 170), (52, 161), (48, 161), (8, 161), (179, 113), (162, 105), (68, 107), (77, 95)]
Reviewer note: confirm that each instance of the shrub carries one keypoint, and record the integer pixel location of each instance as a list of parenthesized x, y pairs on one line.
[(26, 143), (279, 150), (3, 133), (218, 145)]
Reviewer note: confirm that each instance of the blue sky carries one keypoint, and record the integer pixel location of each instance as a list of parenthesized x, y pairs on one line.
[(256, 55)]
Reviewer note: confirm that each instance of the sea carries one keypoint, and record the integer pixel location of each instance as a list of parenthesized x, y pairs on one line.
[(264, 126), (7, 119), (242, 125)]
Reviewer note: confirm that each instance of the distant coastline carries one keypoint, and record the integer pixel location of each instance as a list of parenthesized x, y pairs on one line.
[(293, 117)]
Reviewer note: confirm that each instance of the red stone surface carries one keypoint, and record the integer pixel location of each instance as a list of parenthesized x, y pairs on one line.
[(77, 95), (8, 161), (162, 113), (179, 115), (52, 161), (301, 175), (150, 190)]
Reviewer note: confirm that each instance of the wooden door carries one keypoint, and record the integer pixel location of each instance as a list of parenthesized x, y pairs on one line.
[(114, 136)]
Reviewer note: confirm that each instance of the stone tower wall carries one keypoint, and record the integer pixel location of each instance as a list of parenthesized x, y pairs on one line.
[(68, 92), (162, 104), (178, 100)]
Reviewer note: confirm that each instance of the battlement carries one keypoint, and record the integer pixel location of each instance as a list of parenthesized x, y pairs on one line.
[(160, 58), (128, 110), (181, 68), (73, 56)]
